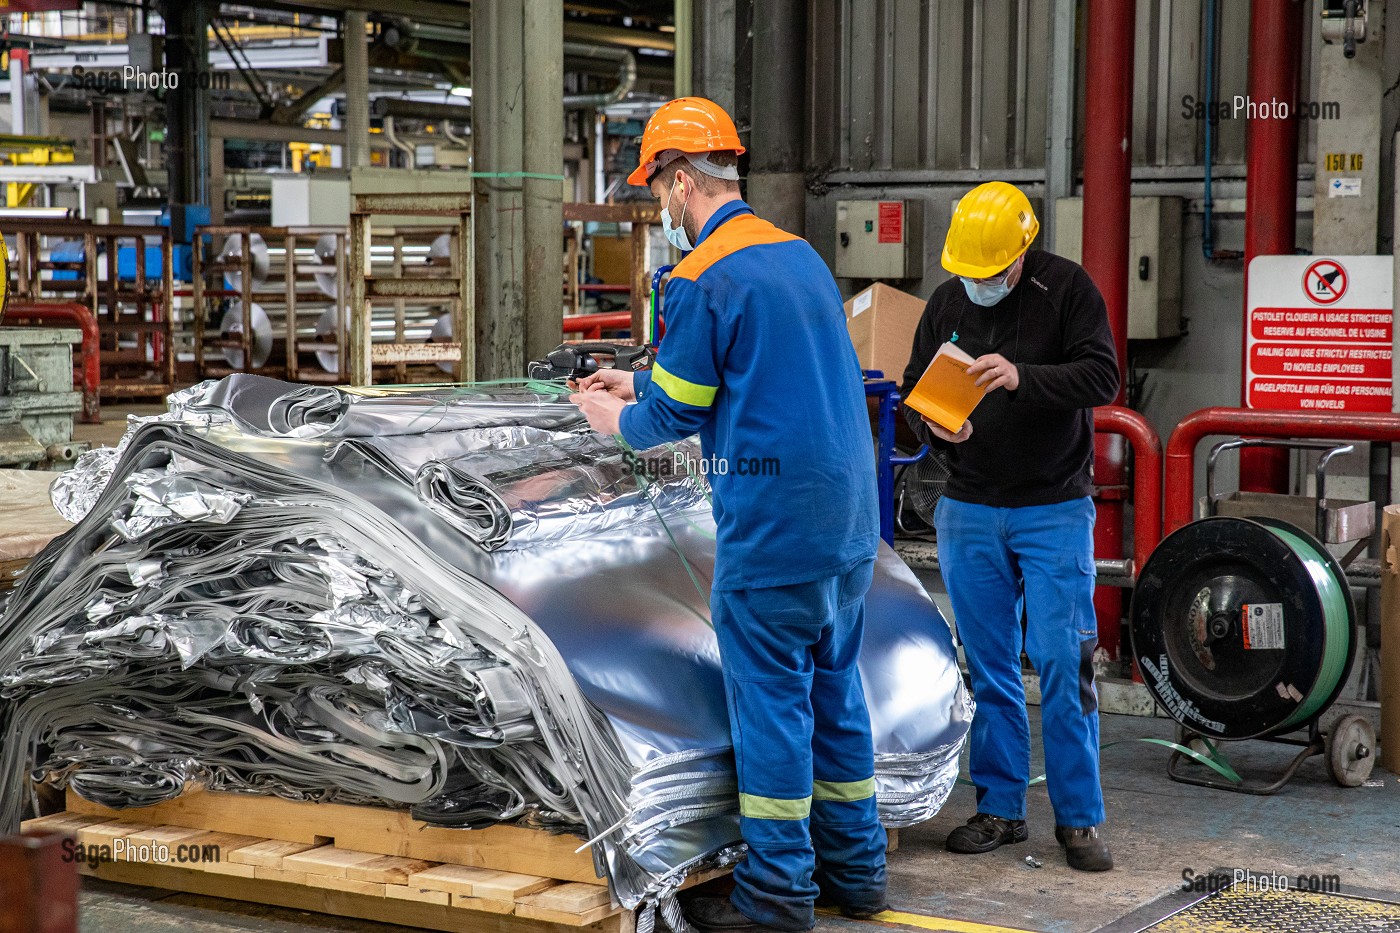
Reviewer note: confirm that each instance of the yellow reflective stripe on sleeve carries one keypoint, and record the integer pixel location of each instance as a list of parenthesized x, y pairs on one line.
[(774, 808), (687, 393), (843, 790)]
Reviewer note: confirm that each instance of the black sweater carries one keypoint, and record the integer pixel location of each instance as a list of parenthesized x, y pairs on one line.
[(1034, 446)]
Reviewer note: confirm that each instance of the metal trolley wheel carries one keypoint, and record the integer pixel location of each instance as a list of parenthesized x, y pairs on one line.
[(1245, 629)]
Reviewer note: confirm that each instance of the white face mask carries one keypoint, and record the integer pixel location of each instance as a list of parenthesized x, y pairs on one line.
[(675, 229), (989, 292)]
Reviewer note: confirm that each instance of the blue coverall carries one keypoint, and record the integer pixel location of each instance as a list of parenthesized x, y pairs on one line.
[(756, 359)]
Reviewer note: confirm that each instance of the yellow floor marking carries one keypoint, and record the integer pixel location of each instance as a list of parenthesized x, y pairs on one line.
[(937, 924)]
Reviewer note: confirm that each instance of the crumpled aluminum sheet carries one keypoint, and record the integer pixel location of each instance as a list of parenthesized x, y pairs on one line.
[(577, 487), (333, 638)]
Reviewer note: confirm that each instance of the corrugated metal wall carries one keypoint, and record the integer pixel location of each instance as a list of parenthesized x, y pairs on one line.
[(912, 85)]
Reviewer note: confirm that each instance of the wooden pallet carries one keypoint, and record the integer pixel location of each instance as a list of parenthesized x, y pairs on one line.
[(363, 862)]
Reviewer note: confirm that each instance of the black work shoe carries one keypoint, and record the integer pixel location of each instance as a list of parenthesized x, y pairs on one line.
[(719, 915), (849, 911), (1085, 849), (985, 832)]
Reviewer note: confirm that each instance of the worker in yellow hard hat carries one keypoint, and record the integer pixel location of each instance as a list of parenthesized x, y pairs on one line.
[(1015, 524), (795, 541)]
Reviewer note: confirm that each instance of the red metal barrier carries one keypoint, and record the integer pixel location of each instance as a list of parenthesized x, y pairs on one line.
[(591, 326), (1147, 476), (88, 374), (1251, 422)]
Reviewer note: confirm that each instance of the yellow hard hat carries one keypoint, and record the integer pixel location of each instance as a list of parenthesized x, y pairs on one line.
[(992, 226)]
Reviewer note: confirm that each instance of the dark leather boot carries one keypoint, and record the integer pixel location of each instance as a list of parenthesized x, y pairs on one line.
[(849, 910), (985, 832), (1085, 848)]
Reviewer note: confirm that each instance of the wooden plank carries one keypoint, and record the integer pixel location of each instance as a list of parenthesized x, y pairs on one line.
[(169, 836), (59, 823), (406, 892), (327, 860), (366, 829), (549, 915), (508, 886), (368, 888), (405, 912), (268, 853), (454, 879), (570, 898), (483, 904), (387, 869), (891, 841), (104, 834)]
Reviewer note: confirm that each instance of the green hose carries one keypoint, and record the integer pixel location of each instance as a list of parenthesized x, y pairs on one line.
[(1336, 643)]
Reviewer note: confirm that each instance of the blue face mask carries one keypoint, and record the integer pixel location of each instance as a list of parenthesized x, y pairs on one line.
[(988, 293), (675, 230)]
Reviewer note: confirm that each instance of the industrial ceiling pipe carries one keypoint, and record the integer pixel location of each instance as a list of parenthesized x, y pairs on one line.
[(1253, 422), (626, 76), (1107, 187), (1271, 164)]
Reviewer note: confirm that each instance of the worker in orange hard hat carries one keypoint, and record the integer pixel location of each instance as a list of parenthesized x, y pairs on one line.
[(795, 544), (1015, 525)]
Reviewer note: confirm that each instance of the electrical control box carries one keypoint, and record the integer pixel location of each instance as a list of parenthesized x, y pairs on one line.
[(1154, 260), (879, 239)]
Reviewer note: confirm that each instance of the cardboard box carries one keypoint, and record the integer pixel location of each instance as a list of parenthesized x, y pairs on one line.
[(881, 321)]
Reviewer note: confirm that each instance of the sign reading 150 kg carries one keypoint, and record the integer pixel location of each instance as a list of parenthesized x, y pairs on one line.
[(1319, 333)]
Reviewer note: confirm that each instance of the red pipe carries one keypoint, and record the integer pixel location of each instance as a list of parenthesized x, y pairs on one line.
[(1147, 477), (1253, 422), (1107, 180), (90, 375), (1271, 163)]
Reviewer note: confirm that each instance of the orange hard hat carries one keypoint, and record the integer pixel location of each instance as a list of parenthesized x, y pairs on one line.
[(686, 124)]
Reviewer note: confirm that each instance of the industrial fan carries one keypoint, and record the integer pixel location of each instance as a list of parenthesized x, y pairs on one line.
[(917, 490)]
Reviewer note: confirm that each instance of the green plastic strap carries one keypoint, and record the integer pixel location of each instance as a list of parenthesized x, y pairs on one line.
[(543, 176), (845, 791), (774, 808), (1215, 760), (1336, 640)]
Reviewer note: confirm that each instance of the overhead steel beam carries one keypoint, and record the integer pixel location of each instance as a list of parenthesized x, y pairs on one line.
[(273, 132)]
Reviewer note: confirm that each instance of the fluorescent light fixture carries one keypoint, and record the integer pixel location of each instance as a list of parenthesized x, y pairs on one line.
[(461, 92)]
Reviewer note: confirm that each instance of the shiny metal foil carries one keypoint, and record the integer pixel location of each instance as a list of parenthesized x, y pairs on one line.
[(265, 595)]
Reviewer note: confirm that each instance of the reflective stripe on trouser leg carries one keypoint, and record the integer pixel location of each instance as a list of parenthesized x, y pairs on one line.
[(1054, 545), (768, 639), (985, 589)]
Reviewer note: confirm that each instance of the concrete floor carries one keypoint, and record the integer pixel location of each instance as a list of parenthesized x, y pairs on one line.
[(1157, 828)]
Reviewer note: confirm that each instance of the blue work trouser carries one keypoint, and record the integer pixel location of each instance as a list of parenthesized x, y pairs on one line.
[(1041, 558), (802, 747)]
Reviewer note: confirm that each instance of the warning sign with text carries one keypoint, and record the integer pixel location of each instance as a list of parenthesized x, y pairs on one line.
[(1320, 333)]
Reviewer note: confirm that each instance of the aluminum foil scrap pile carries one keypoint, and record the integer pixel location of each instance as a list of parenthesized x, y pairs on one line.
[(457, 600)]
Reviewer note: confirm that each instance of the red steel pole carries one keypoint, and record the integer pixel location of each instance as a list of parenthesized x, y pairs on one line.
[(1107, 177), (1271, 157)]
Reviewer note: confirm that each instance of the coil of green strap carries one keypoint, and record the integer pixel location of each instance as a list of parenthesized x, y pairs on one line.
[(1337, 626)]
